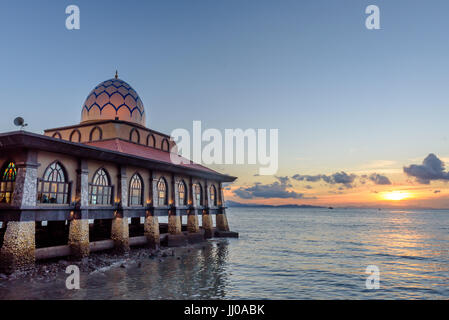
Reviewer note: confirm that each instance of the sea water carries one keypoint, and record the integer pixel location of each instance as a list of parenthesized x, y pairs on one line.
[(282, 254)]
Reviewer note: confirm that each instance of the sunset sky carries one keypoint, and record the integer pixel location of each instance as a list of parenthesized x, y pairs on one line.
[(362, 114)]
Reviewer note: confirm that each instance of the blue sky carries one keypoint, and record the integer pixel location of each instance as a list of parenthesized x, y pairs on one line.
[(341, 96)]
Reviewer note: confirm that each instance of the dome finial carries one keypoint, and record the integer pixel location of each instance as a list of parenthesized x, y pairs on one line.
[(116, 74)]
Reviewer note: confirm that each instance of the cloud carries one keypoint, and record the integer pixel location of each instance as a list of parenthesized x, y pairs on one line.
[(308, 187), (283, 180), (344, 179), (437, 191), (431, 169), (276, 189), (379, 179), (336, 178)]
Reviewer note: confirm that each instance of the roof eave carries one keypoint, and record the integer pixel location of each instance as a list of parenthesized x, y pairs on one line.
[(23, 139)]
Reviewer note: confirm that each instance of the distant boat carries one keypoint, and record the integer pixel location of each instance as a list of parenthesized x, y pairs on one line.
[(332, 208)]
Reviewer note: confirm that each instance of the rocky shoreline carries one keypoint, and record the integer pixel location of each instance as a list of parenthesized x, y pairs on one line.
[(49, 270)]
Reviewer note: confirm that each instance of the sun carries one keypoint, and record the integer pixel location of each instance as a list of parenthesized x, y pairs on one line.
[(396, 195)]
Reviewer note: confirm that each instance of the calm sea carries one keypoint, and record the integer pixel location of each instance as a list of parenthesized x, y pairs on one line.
[(284, 254)]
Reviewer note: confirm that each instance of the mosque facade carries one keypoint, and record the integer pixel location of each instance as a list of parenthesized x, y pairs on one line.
[(102, 184)]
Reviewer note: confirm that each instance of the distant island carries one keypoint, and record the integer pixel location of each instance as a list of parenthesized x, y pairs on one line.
[(233, 204)]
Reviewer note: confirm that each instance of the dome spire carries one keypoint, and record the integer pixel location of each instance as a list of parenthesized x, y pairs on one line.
[(116, 74)]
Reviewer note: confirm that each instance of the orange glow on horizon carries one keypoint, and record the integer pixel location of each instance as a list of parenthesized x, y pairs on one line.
[(396, 195)]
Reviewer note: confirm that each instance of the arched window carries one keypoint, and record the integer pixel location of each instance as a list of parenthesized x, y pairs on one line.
[(53, 187), (199, 194), (7, 182), (151, 141), (100, 190), (75, 136), (165, 146), (134, 136), (162, 192), (213, 195), (182, 193), (56, 135), (95, 134), (135, 190)]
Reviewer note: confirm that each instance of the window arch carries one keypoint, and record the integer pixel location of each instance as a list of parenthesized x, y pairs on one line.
[(134, 136), (54, 187), (100, 190), (151, 141), (213, 195), (162, 192), (56, 135), (135, 190), (182, 195), (7, 181), (165, 146), (96, 134), (199, 194), (75, 136)]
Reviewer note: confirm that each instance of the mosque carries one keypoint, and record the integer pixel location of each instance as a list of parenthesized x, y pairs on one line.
[(102, 184)]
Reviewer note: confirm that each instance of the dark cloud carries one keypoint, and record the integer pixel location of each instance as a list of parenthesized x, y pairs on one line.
[(308, 187), (431, 168), (267, 191), (437, 191), (307, 178), (345, 179), (379, 179), (336, 178), (283, 180)]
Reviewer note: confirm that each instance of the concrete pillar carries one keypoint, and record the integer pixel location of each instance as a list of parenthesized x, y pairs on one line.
[(79, 225), (207, 224), (221, 218), (120, 233), (79, 238), (122, 190), (151, 225), (192, 221), (222, 221), (207, 218), (174, 219), (151, 230), (174, 222), (18, 250), (192, 216), (25, 189), (119, 226)]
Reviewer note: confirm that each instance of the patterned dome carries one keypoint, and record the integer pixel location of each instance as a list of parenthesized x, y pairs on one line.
[(113, 99)]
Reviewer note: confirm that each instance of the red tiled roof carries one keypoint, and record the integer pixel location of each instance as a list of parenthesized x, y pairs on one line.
[(122, 146)]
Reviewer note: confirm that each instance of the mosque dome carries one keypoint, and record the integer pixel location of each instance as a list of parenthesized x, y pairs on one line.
[(113, 99)]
